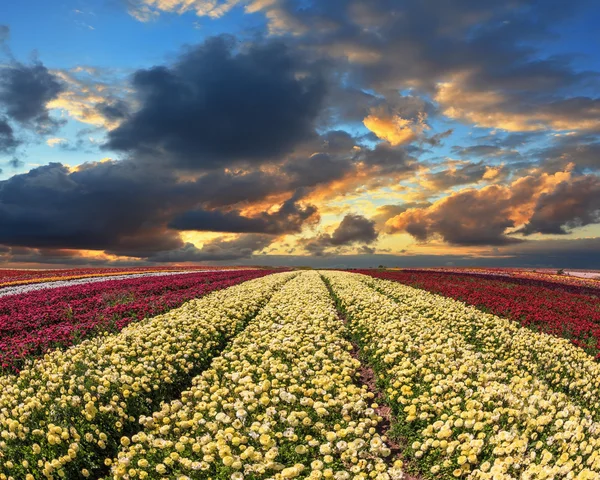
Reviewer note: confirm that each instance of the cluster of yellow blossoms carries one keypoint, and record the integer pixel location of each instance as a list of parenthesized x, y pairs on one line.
[(281, 402), (472, 406), (556, 361), (63, 416)]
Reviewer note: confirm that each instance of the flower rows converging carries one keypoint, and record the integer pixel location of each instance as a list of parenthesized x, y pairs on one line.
[(262, 381), (64, 414), (467, 407), (560, 364), (561, 310), (33, 323), (281, 402)]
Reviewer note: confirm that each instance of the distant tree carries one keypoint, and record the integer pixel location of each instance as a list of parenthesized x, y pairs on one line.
[(381, 267), (560, 271)]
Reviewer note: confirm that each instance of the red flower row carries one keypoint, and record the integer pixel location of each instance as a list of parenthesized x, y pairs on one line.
[(562, 310), (34, 322)]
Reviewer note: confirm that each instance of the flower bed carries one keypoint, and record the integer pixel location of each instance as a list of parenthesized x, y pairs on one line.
[(25, 277), (561, 310), (62, 416), (468, 410), (280, 402), (33, 323)]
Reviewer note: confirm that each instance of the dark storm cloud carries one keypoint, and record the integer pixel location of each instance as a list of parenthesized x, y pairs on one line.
[(290, 218), (568, 206), (110, 206), (115, 110), (126, 208), (353, 229), (217, 106), (24, 92), (8, 142), (319, 168), (58, 257)]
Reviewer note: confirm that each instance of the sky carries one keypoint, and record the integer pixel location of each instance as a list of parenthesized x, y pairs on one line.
[(338, 133)]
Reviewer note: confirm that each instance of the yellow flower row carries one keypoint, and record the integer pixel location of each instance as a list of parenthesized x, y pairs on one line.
[(556, 361), (279, 403), (62, 416), (464, 412)]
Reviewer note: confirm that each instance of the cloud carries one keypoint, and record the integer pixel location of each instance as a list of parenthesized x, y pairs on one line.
[(15, 162), (50, 207), (471, 217), (583, 253), (242, 247), (385, 212), (115, 110), (580, 151), (487, 216), (252, 138), (92, 96), (461, 173), (353, 229), (52, 256), (289, 218), (8, 142), (486, 151), (82, 208), (394, 129), (496, 109), (569, 205), (218, 105), (25, 91), (52, 142), (147, 10), (482, 62)]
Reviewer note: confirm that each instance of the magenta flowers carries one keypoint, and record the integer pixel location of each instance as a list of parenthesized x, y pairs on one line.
[(32, 323)]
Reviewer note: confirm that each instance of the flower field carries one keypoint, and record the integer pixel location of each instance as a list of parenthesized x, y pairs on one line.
[(33, 322), (500, 402), (567, 311), (10, 277), (307, 375)]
